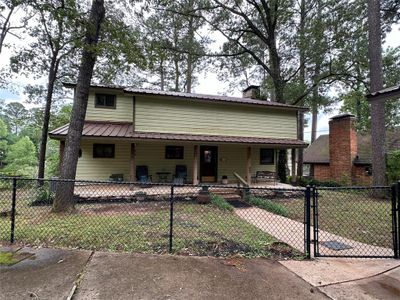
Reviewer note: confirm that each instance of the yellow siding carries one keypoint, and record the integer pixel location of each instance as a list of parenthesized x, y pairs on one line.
[(231, 158), (184, 116), (90, 168), (122, 113)]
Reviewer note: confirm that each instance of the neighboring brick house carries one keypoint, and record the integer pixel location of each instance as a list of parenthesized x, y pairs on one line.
[(345, 155)]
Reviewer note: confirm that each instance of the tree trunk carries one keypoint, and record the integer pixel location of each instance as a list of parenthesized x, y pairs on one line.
[(162, 76), (189, 71), (65, 190), (5, 28), (377, 106), (302, 72), (46, 117)]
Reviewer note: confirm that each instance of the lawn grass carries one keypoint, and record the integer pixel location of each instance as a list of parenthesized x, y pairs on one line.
[(220, 202), (351, 214), (268, 205), (7, 259), (143, 227)]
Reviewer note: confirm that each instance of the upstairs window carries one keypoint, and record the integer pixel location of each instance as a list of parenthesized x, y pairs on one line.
[(103, 150), (105, 101), (174, 152), (267, 156)]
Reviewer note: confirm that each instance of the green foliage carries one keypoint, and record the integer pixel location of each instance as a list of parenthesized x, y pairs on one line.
[(52, 158), (21, 159), (303, 181), (220, 202), (393, 166), (268, 205), (43, 196), (7, 259)]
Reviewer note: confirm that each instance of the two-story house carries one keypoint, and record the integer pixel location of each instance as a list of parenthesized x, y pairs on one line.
[(209, 136)]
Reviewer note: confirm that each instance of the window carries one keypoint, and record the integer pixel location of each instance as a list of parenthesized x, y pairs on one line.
[(103, 150), (174, 152), (105, 101), (267, 156)]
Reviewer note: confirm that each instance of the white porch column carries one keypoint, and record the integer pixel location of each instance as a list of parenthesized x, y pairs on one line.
[(132, 163), (248, 166), (195, 164)]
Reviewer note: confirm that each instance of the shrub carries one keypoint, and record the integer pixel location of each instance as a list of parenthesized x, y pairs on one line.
[(268, 205), (43, 197), (303, 181), (393, 166), (220, 202)]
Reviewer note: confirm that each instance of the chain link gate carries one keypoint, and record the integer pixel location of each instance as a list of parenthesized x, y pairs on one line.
[(356, 221)]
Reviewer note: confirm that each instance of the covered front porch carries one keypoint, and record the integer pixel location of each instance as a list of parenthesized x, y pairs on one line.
[(121, 160)]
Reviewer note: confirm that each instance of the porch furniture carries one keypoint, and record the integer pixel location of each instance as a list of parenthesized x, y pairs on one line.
[(264, 176), (117, 177), (163, 176), (142, 174), (180, 175)]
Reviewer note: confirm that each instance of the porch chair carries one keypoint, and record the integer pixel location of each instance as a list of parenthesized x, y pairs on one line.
[(180, 175), (142, 174)]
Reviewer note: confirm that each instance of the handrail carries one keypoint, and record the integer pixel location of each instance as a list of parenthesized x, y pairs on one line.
[(241, 181)]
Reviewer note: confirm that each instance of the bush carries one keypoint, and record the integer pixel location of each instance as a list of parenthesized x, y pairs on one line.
[(393, 166), (220, 202), (314, 182), (43, 197), (268, 205)]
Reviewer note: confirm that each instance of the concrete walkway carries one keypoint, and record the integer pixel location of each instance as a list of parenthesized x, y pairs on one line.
[(341, 278), (292, 232)]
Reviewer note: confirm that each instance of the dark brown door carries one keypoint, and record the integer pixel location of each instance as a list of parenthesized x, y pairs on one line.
[(208, 163)]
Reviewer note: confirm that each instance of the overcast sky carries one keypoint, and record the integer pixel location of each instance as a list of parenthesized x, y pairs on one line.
[(208, 82)]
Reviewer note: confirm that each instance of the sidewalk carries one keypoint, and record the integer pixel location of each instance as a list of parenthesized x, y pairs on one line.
[(62, 274), (292, 233)]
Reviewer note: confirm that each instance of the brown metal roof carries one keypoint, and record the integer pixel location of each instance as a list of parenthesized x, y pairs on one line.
[(125, 130), (193, 96)]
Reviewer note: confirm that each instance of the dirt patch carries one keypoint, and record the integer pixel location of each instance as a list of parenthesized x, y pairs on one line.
[(125, 209), (214, 248), (281, 250)]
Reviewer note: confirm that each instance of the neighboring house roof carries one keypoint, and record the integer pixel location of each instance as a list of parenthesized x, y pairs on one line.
[(318, 151), (125, 130), (193, 96), (390, 92)]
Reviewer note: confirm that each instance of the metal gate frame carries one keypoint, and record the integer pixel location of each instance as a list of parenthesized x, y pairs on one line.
[(395, 216)]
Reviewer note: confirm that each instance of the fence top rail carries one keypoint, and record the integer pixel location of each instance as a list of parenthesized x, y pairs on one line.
[(155, 184), (352, 187)]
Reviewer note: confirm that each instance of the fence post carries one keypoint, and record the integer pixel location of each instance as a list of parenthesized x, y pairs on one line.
[(315, 220), (394, 222), (13, 202), (398, 219), (307, 222), (171, 218)]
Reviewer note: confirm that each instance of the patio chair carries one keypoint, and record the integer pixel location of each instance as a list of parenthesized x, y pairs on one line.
[(180, 175), (142, 174)]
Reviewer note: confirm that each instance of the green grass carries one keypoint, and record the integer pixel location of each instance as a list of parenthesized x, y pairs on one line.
[(220, 202), (7, 259), (268, 205), (143, 227), (351, 214)]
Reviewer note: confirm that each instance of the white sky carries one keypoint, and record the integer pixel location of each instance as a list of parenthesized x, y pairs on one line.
[(208, 81)]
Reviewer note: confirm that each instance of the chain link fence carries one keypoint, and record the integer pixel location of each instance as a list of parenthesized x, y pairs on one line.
[(215, 220)]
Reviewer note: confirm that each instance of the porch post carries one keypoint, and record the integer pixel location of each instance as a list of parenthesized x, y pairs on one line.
[(61, 155), (294, 175), (195, 164), (248, 166), (133, 163)]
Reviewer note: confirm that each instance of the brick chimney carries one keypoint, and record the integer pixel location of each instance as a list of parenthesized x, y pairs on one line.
[(342, 147), (252, 91)]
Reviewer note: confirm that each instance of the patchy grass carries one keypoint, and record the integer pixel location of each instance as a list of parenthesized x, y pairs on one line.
[(143, 227), (220, 202), (351, 214), (268, 205), (7, 259)]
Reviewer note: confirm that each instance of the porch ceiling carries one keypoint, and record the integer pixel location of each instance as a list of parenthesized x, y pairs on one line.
[(125, 131)]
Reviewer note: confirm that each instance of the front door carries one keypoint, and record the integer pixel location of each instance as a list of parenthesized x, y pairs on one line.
[(208, 163)]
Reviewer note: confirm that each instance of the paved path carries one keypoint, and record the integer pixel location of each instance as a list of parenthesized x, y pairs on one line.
[(292, 233)]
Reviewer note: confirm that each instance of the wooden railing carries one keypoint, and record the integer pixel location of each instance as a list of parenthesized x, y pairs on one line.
[(241, 181)]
